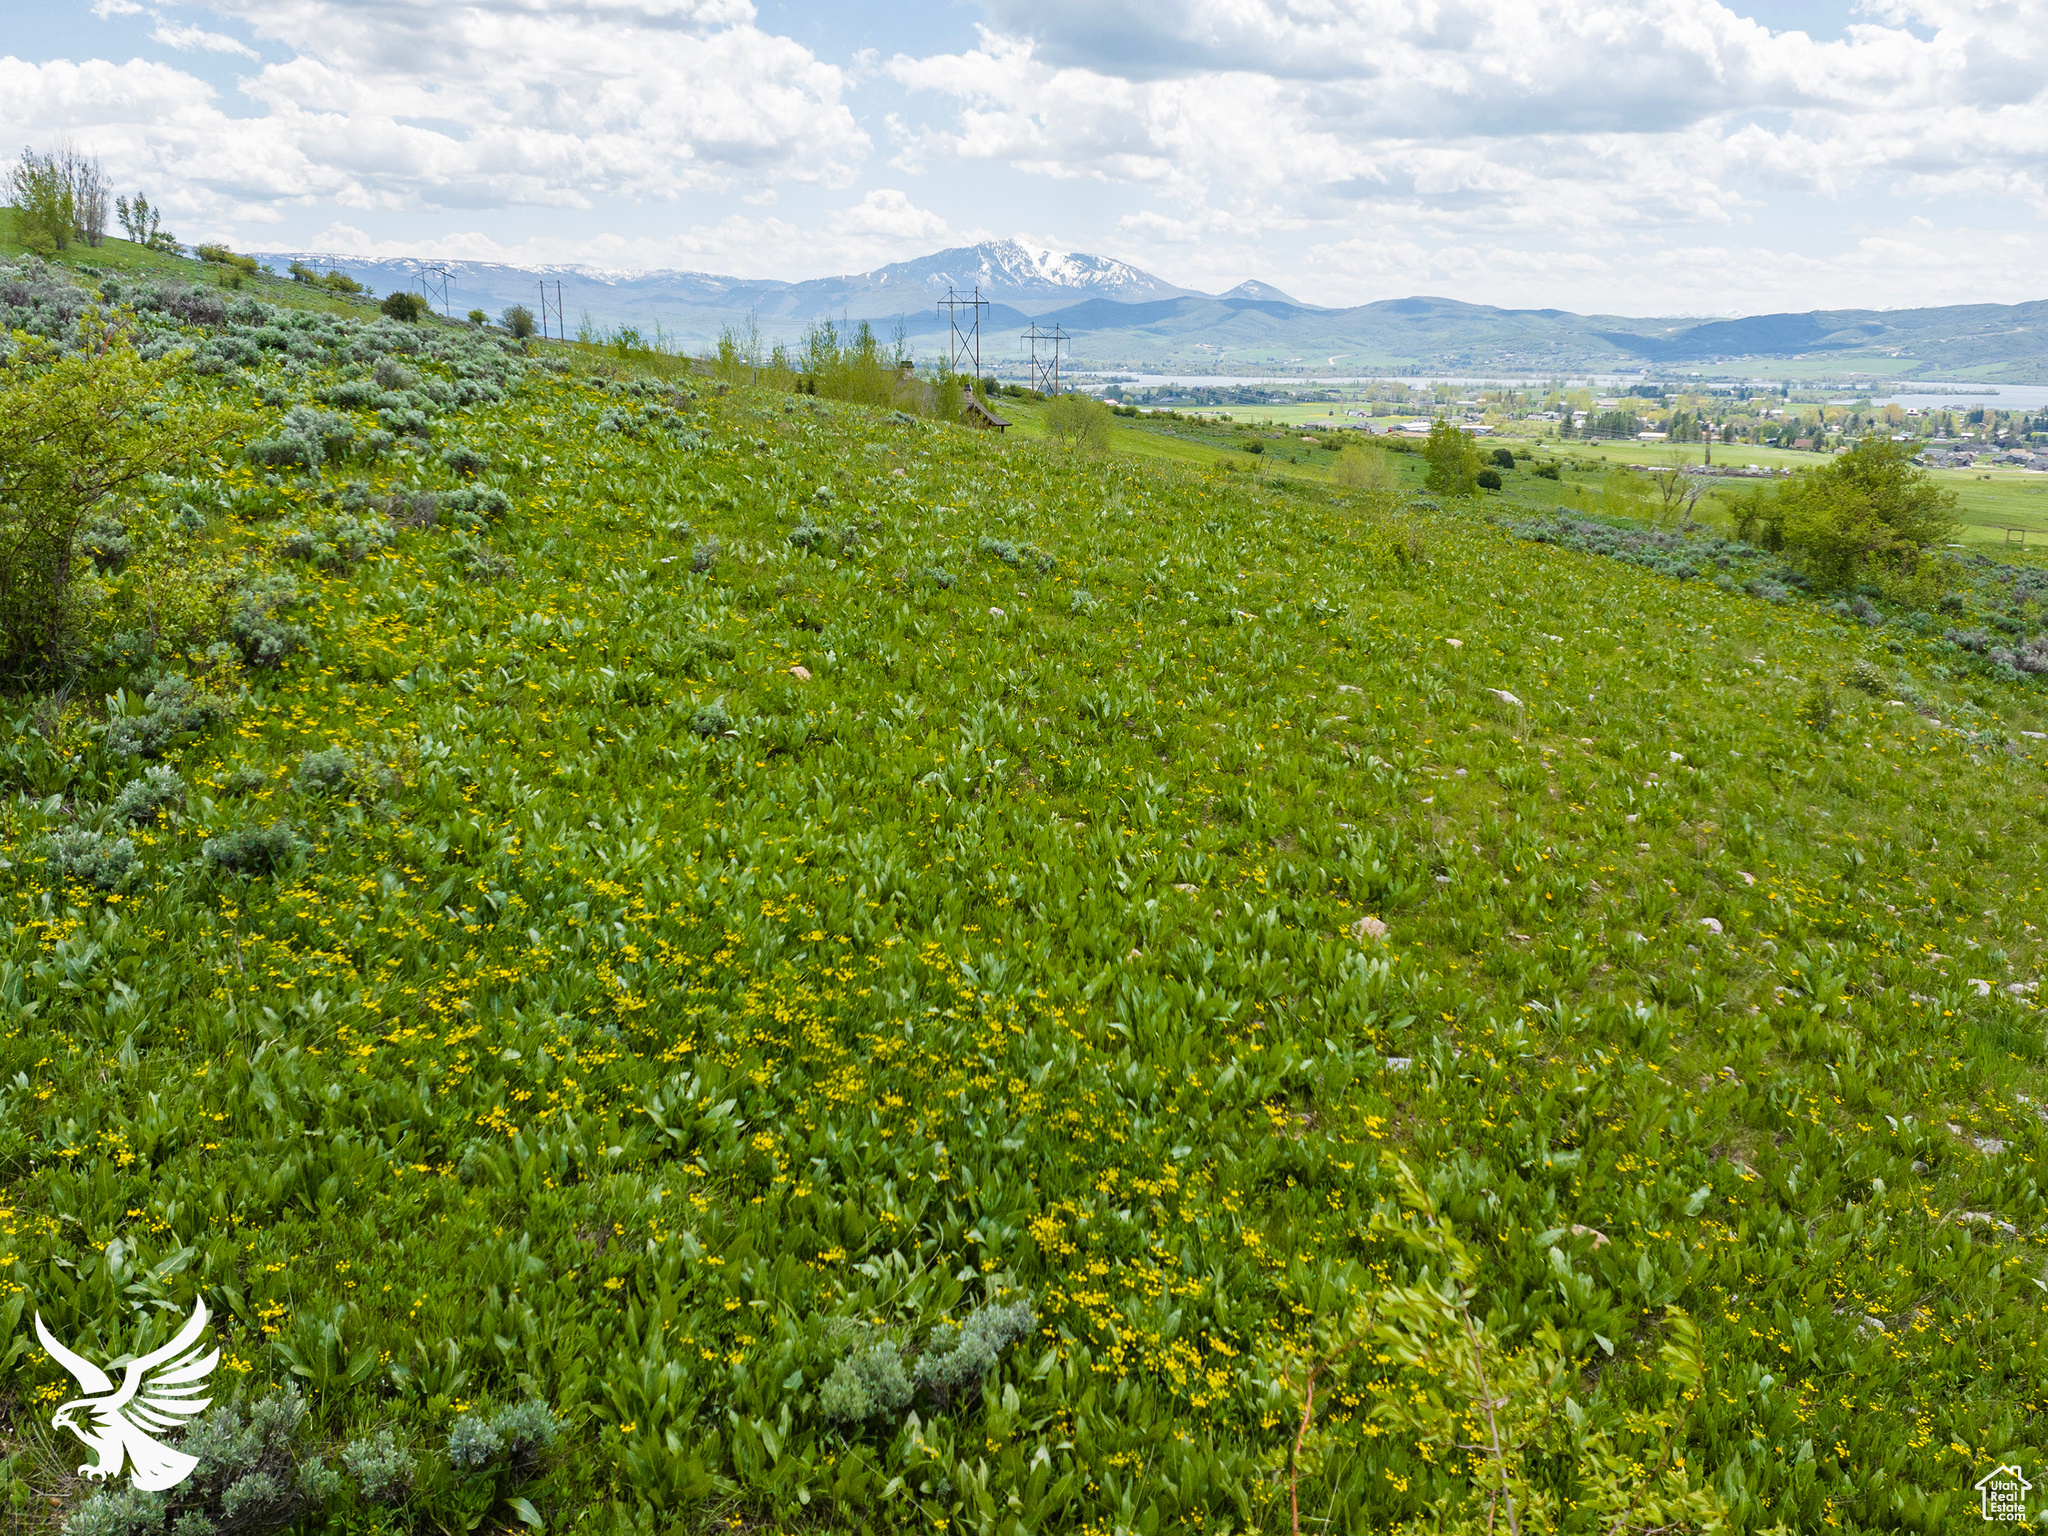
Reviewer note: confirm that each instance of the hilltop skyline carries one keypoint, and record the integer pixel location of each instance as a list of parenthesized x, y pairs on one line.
[(1653, 159)]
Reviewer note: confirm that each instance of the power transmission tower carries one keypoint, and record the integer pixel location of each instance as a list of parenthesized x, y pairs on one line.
[(435, 281), (561, 330), (1045, 372), (963, 341)]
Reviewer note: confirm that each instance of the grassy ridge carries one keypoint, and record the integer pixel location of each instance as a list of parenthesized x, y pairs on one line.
[(650, 1027)]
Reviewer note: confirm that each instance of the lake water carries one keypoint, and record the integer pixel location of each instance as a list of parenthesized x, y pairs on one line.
[(1962, 397)]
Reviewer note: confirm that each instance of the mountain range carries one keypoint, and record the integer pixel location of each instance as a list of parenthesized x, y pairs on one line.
[(1119, 316)]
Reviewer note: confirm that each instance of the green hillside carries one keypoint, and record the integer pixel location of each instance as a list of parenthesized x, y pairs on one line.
[(698, 959)]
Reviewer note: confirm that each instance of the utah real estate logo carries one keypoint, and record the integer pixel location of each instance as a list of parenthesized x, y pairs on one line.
[(2004, 1492), (158, 1392)]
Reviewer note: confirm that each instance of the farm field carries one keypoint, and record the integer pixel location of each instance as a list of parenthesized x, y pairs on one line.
[(894, 978)]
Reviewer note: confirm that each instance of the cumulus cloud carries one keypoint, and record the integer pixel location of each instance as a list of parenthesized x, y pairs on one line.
[(1497, 139), (402, 104)]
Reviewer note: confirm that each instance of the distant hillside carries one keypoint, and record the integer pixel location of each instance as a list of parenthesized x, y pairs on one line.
[(1119, 315)]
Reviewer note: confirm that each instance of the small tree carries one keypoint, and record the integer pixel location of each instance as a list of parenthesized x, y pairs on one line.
[(1872, 507), (404, 306), (517, 319), (1075, 421), (75, 429), (479, 319), (41, 193), (139, 220), (1453, 461), (1679, 486), (1364, 469), (88, 183)]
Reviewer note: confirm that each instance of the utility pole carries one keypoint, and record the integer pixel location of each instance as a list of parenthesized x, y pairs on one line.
[(1045, 372), (963, 342)]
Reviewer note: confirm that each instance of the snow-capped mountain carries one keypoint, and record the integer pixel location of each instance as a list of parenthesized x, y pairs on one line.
[(1008, 272), (1021, 280)]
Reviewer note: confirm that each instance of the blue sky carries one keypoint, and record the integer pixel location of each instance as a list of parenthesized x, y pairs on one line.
[(1631, 156)]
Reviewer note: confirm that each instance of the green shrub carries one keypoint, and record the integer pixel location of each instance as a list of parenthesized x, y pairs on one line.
[(1487, 480), (143, 801), (516, 1437), (221, 256), (712, 719), (256, 626), (482, 501), (463, 460), (704, 556), (118, 1512), (93, 858), (407, 307), (940, 577), (1081, 601), (1001, 549), (1504, 458), (518, 319), (866, 1384), (252, 850), (336, 544), (1867, 677), (326, 772), (955, 1359), (104, 541), (173, 707)]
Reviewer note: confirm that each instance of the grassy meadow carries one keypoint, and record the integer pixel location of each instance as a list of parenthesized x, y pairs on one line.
[(902, 979)]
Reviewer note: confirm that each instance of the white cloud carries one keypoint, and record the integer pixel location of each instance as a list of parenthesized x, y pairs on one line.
[(402, 104), (1500, 141), (105, 9), (185, 39), (891, 214)]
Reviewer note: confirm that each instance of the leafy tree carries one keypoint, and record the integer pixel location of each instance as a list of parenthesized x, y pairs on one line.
[(1488, 480), (404, 306), (1453, 461), (518, 319), (41, 193), (1870, 508), (478, 318), (1504, 458), (143, 223), (1075, 421), (75, 429), (1364, 469)]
